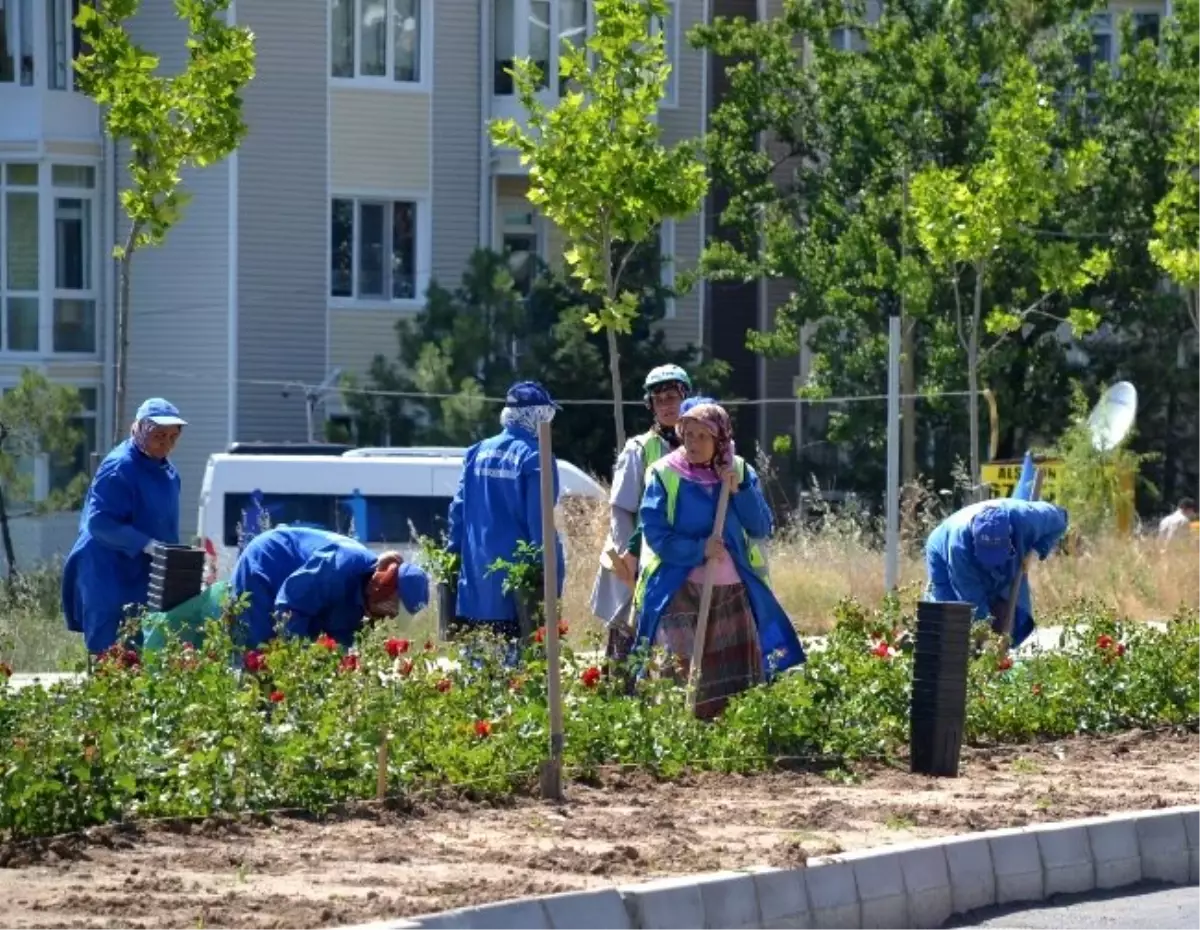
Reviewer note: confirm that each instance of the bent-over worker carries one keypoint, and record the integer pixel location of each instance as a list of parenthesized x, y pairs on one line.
[(974, 556), (317, 582), (131, 505)]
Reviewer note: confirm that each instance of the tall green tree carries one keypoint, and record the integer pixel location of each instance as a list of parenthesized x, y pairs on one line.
[(597, 167), (817, 147), (469, 344), (966, 218), (37, 418), (162, 123)]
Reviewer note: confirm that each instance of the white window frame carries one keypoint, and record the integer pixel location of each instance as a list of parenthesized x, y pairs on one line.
[(384, 82), (666, 261), (423, 253), (65, 9), (670, 98), (34, 31), (520, 27), (5, 235), (50, 283)]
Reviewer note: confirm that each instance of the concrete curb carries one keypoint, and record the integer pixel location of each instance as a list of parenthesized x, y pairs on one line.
[(915, 885)]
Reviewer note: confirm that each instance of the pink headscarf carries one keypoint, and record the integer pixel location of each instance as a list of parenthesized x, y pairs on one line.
[(714, 419)]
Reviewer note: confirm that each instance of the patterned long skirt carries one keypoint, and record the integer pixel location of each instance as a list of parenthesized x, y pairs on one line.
[(732, 661)]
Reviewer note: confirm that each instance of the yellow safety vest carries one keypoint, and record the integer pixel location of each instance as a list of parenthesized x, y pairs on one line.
[(653, 447), (650, 560)]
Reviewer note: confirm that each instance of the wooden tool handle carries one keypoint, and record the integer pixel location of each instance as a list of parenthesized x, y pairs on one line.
[(705, 602)]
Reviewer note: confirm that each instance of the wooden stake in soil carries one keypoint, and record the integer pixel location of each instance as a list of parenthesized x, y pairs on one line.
[(551, 775), (1010, 610), (693, 685)]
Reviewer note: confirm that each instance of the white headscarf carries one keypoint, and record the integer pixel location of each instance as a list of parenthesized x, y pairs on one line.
[(526, 418)]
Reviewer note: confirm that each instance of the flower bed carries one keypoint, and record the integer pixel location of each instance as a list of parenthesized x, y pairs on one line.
[(178, 733)]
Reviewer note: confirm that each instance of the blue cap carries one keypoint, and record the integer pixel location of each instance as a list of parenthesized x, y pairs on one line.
[(412, 584), (991, 531), (160, 412), (528, 394), (696, 401)]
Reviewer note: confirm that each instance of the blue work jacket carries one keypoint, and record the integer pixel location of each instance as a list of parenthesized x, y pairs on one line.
[(956, 575), (679, 545), (497, 505), (313, 579), (133, 500)]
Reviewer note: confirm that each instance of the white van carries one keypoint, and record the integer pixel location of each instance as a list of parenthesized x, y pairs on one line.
[(397, 493)]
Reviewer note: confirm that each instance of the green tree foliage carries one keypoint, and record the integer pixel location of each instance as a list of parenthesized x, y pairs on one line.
[(820, 149), (37, 417), (597, 167), (473, 342), (161, 123)]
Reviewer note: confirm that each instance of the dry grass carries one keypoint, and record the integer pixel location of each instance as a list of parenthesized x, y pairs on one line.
[(812, 571)]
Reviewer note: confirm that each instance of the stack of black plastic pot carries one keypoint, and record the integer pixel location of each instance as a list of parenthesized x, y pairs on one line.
[(939, 691), (176, 575)]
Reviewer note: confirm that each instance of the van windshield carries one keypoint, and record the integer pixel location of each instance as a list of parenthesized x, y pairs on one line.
[(387, 518)]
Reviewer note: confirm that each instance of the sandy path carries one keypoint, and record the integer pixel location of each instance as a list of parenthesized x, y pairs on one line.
[(294, 873)]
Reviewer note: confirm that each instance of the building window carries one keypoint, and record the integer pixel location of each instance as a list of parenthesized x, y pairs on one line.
[(1103, 46), (535, 29), (378, 40), (65, 470), (1145, 27), (16, 42), (64, 42), (520, 244), (74, 319), (374, 249), (19, 279)]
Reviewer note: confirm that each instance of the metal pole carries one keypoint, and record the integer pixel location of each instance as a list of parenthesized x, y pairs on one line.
[(891, 571)]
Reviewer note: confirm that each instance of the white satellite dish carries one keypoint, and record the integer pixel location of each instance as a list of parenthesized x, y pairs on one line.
[(1113, 417)]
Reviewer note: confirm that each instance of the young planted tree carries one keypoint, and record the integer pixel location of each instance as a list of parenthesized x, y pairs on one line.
[(162, 123), (1177, 215), (966, 219), (597, 167), (37, 417)]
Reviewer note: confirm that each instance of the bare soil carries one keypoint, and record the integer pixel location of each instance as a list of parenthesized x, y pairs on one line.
[(292, 872)]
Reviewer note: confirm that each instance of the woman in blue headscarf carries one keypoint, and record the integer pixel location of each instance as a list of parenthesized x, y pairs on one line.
[(132, 504)]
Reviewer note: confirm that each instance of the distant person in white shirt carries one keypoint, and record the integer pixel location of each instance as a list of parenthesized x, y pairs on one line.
[(1181, 519)]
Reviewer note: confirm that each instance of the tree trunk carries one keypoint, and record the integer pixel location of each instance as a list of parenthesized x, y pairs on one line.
[(614, 369), (123, 277), (973, 377)]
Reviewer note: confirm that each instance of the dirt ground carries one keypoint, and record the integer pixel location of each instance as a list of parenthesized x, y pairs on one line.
[(286, 872)]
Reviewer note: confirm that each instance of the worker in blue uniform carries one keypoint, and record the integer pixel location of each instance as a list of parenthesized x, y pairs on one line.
[(132, 504), (316, 582), (498, 504), (974, 555)]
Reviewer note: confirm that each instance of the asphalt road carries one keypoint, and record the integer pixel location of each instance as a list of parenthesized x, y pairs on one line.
[(1152, 907)]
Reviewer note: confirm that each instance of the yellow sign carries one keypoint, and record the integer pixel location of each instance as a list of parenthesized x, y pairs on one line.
[(1004, 477)]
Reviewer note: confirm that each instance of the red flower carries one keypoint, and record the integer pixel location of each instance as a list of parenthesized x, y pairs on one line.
[(132, 659), (562, 628), (255, 661), (1120, 649), (188, 647), (444, 685), (1037, 690), (590, 676), (406, 667), (483, 728), (1004, 664), (429, 645), (5, 670), (540, 635), (396, 647), (327, 642), (1104, 641), (349, 664), (276, 697), (881, 649)]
